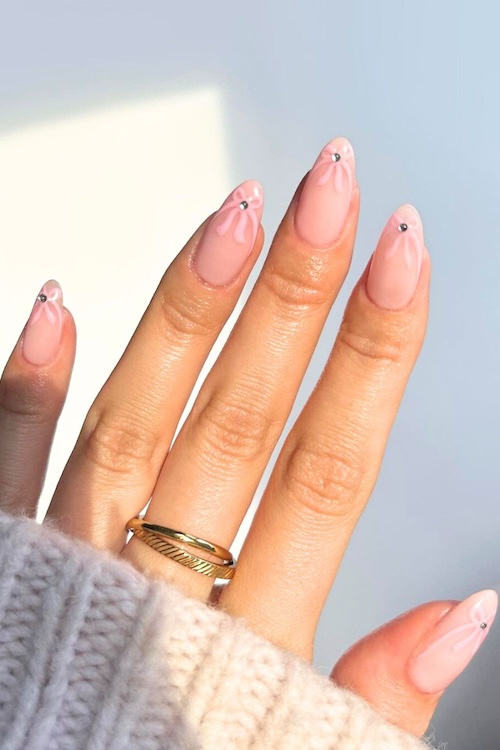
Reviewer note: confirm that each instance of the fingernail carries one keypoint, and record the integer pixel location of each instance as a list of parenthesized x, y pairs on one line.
[(396, 263), (43, 329), (326, 195), (453, 642), (230, 236)]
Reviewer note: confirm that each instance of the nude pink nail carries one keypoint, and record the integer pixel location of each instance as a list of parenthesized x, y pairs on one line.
[(230, 236), (43, 329), (326, 196), (453, 642), (396, 263)]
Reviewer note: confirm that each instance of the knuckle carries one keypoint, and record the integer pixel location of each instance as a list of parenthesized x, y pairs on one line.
[(117, 444), (185, 316), (325, 483), (233, 427), (297, 288), (383, 347), (28, 401)]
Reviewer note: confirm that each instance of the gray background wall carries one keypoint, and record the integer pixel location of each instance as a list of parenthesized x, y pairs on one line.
[(414, 87)]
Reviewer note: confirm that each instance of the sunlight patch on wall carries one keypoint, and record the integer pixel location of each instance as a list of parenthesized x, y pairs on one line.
[(102, 201)]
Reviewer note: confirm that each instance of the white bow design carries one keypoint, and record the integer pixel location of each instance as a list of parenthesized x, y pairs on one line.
[(474, 632), (234, 209), (407, 240), (50, 307), (339, 168)]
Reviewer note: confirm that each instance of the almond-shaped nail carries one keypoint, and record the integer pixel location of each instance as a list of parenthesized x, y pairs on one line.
[(396, 263), (43, 329), (453, 642), (326, 195), (230, 236)]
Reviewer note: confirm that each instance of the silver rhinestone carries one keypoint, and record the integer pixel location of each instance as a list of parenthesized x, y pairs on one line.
[(335, 157), (483, 625), (403, 227), (42, 297), (244, 205)]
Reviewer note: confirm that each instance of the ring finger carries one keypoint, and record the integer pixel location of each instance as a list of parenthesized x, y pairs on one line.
[(127, 432), (331, 458)]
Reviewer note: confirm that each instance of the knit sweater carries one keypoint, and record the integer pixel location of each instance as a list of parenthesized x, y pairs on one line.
[(96, 656)]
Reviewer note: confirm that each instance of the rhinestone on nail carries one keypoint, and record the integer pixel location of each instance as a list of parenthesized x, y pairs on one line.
[(483, 625), (244, 205), (335, 157), (403, 227), (42, 298)]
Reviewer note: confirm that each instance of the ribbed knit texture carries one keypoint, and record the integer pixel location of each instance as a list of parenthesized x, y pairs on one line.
[(95, 656)]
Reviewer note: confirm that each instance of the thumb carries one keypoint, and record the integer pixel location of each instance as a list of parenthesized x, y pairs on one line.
[(403, 668)]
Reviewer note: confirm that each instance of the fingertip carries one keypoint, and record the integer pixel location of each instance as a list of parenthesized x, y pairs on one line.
[(376, 667), (447, 648), (323, 207), (220, 257)]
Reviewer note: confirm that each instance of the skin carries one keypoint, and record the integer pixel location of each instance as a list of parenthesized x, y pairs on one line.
[(204, 483)]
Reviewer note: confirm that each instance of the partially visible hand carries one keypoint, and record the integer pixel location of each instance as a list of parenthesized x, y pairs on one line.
[(204, 483)]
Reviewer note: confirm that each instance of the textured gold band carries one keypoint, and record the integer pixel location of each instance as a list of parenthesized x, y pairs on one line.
[(160, 544), (181, 536)]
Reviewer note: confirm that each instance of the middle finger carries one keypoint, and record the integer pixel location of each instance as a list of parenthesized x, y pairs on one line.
[(215, 465), (327, 469)]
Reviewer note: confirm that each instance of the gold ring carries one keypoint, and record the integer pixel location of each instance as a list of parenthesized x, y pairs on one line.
[(180, 536), (157, 542)]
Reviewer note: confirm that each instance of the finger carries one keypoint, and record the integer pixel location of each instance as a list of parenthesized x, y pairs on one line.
[(331, 458), (33, 389), (403, 668), (126, 435), (217, 460)]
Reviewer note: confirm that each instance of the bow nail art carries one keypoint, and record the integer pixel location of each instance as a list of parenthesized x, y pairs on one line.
[(48, 302), (397, 261), (241, 206), (336, 161), (43, 329), (325, 199), (403, 233), (474, 630), (230, 236), (453, 643)]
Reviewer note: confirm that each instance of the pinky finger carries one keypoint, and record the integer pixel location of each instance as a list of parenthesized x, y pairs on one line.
[(33, 389), (403, 668)]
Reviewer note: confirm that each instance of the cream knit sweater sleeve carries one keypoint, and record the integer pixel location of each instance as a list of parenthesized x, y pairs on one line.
[(95, 656)]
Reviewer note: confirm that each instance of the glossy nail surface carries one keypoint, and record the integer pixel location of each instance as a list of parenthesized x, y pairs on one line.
[(453, 642), (326, 195), (395, 267), (229, 237), (44, 327)]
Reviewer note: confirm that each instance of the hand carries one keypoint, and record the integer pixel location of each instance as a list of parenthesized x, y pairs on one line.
[(204, 483)]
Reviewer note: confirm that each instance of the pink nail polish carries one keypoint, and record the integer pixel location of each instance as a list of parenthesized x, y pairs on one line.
[(453, 642), (44, 327), (230, 236), (326, 196), (396, 263)]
